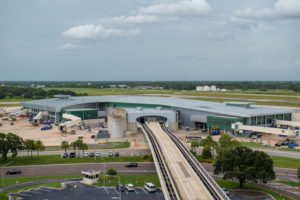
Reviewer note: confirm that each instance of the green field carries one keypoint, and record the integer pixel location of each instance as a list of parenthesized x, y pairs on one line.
[(13, 181), (290, 183), (284, 162), (56, 159), (9, 105), (235, 185), (136, 180)]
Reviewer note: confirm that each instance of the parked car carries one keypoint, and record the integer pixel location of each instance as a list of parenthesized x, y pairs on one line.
[(132, 164), (93, 136), (97, 154), (73, 132), (65, 155), (225, 191), (120, 187), (11, 123), (277, 145), (92, 154), (150, 187), (85, 154), (129, 187), (117, 154), (14, 171), (110, 154), (72, 155)]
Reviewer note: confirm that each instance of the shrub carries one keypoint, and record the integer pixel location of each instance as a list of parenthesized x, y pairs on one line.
[(112, 172), (206, 152)]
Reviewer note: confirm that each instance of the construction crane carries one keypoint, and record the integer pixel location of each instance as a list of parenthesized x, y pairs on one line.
[(38, 117), (72, 121)]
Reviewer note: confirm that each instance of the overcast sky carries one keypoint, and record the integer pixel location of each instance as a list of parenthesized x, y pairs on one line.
[(150, 40)]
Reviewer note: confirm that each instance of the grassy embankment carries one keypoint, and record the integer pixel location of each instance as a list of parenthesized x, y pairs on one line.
[(281, 162), (235, 185), (290, 183), (56, 159)]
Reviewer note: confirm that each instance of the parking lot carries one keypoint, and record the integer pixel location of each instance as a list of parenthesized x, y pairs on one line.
[(85, 192)]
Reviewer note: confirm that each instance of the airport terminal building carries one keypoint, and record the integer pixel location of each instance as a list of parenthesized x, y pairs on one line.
[(125, 111)]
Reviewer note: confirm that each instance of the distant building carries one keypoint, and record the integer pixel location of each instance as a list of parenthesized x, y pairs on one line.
[(206, 88), (213, 88), (199, 88), (122, 86), (112, 86)]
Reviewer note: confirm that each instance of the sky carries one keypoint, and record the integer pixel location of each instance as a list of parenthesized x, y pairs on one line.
[(154, 40)]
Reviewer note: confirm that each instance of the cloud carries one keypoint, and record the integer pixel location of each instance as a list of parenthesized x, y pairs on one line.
[(138, 19), (92, 31), (281, 9), (185, 7), (70, 46), (243, 23)]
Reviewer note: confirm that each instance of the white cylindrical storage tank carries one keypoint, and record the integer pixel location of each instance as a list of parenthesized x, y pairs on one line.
[(213, 88), (206, 88)]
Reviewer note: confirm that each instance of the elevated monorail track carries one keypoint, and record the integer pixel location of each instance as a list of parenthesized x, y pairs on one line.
[(181, 175)]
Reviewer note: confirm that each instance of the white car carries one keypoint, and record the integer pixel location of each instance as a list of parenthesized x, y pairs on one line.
[(85, 154), (97, 154), (129, 187), (150, 187), (225, 191)]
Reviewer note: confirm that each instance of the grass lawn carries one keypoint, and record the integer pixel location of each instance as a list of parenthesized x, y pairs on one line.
[(254, 144), (16, 99), (56, 159), (136, 180), (284, 162), (235, 185), (13, 181), (9, 105), (291, 183), (118, 145), (3, 195)]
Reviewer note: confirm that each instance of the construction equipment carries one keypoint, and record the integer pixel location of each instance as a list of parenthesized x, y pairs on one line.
[(72, 121), (36, 120)]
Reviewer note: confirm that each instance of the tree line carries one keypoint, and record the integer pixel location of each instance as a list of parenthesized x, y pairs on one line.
[(176, 85), (33, 93), (12, 143)]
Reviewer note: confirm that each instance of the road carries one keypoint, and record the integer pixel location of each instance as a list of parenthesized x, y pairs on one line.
[(75, 169), (143, 168)]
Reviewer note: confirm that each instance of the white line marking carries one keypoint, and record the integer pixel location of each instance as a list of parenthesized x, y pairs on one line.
[(106, 190), (126, 191), (294, 180), (24, 194), (145, 191), (116, 190)]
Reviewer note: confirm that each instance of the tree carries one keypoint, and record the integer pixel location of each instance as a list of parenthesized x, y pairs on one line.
[(79, 144), (83, 147), (245, 164), (227, 142), (29, 145), (194, 145), (39, 146), (74, 145), (206, 152), (209, 141), (298, 172), (65, 145), (112, 172), (10, 142)]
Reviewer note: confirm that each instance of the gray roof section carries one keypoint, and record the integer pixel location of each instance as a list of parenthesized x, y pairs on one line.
[(56, 105)]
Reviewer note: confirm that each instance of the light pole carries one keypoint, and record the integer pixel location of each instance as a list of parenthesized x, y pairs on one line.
[(3, 172), (104, 173)]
